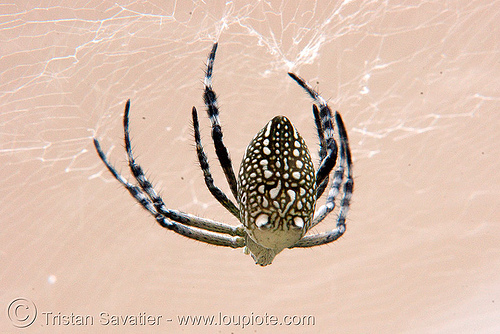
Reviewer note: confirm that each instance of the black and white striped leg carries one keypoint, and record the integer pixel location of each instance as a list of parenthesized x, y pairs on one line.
[(210, 99), (349, 183), (209, 181), (190, 232), (338, 176), (325, 115), (157, 201), (320, 188)]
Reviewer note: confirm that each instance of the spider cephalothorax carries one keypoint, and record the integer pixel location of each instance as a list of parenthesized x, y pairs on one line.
[(277, 186)]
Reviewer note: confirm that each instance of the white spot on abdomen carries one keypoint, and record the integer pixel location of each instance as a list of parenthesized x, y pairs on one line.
[(262, 220), (299, 222), (292, 196), (268, 130), (275, 191)]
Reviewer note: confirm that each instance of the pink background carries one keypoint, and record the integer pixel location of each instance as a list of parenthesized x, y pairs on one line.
[(418, 87)]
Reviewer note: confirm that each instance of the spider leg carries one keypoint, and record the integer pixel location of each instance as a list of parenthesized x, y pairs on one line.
[(326, 129), (349, 184), (345, 160), (327, 237), (210, 99), (209, 181), (323, 211), (322, 149), (189, 232), (157, 201)]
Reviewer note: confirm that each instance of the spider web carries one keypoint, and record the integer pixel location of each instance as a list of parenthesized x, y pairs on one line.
[(417, 85)]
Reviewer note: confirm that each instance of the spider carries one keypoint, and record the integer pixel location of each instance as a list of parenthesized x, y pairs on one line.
[(277, 187)]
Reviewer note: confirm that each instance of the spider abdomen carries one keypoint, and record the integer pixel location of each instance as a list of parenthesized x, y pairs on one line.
[(276, 185)]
